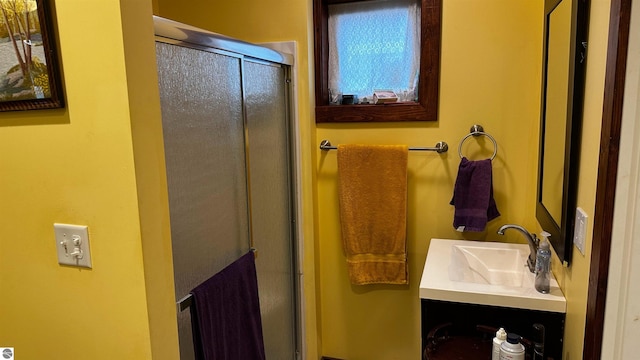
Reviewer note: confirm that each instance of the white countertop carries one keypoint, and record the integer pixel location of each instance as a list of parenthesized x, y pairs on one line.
[(436, 284)]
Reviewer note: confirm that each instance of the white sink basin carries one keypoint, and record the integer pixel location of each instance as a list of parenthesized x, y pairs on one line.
[(485, 273), (486, 265)]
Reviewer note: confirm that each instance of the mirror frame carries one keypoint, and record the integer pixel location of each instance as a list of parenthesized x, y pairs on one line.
[(562, 234)]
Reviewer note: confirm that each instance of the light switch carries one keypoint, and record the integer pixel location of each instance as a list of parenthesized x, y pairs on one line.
[(580, 230), (72, 244)]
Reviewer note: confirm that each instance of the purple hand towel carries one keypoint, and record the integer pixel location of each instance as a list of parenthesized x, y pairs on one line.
[(473, 196), (225, 314)]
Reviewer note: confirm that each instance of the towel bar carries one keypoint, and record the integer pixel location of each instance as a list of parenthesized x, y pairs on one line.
[(184, 303), (439, 148)]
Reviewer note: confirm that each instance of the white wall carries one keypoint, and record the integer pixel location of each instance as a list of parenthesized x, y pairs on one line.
[(622, 314)]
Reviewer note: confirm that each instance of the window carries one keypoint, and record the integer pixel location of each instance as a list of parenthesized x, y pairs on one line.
[(367, 40), (347, 29)]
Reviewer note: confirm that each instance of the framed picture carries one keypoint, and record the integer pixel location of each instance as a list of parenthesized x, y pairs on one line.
[(29, 73)]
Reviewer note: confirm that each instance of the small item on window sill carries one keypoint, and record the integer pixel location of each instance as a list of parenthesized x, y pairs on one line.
[(335, 97), (349, 99), (384, 96)]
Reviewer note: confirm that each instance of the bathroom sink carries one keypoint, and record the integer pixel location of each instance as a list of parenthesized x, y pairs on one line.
[(485, 273), (486, 265)]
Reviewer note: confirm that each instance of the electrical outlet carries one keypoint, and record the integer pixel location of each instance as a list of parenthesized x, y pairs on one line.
[(72, 244), (580, 230)]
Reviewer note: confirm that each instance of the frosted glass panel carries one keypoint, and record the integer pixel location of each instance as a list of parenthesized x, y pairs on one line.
[(266, 110), (374, 45), (201, 102)]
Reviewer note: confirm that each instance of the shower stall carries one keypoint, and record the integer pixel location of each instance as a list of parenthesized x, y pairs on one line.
[(227, 137)]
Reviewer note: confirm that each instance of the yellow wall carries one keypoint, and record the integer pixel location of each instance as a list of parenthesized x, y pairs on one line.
[(76, 165), (152, 196)]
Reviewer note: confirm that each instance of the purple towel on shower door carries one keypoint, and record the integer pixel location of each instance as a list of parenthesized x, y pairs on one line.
[(473, 196), (225, 314)]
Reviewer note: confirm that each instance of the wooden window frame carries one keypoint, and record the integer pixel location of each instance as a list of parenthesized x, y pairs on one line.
[(425, 109)]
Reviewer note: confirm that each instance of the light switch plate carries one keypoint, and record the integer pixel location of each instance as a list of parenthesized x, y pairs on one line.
[(72, 245), (580, 230)]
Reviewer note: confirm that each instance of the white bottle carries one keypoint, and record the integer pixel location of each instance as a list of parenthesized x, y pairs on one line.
[(501, 336), (512, 349), (543, 264)]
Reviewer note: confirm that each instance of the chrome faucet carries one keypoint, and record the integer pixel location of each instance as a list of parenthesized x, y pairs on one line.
[(531, 239)]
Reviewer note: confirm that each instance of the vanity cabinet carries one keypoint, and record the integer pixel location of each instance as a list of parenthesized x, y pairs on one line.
[(470, 289), (461, 320)]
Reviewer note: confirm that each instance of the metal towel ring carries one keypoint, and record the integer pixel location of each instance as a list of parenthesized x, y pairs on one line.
[(477, 130)]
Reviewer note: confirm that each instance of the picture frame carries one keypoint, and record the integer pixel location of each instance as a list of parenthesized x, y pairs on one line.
[(29, 72)]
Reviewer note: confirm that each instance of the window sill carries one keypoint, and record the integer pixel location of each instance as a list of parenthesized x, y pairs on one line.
[(409, 111)]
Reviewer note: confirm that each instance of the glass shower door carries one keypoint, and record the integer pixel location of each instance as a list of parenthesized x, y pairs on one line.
[(202, 118), (227, 150), (266, 108)]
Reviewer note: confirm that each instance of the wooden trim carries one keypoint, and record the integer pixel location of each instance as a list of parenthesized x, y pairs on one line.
[(607, 174), (321, 55), (426, 109)]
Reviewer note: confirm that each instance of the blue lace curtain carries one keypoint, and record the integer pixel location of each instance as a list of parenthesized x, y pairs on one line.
[(374, 45)]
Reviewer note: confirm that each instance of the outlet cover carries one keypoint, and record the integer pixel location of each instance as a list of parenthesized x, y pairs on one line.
[(72, 245), (580, 230)]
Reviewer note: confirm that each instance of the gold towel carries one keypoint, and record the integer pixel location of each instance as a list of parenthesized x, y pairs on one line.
[(372, 188)]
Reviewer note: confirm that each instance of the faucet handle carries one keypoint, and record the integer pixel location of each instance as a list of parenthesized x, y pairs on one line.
[(536, 240)]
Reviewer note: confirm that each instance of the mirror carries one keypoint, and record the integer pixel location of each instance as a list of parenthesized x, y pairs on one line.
[(561, 119)]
